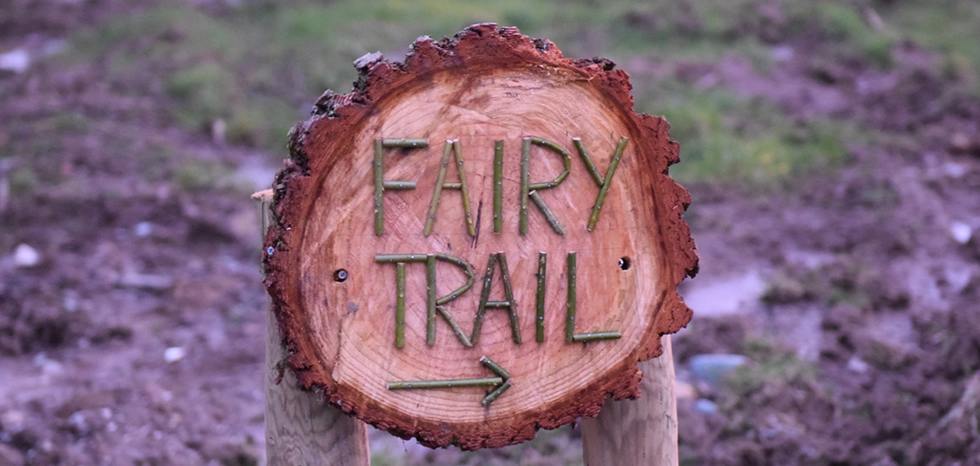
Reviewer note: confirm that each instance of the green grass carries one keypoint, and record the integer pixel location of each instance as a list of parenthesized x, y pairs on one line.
[(23, 180), (773, 365), (68, 122), (725, 138), (709, 29), (198, 175), (948, 26), (214, 66), (259, 66)]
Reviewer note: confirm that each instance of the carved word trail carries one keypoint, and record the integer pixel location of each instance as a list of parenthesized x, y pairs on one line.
[(435, 305)]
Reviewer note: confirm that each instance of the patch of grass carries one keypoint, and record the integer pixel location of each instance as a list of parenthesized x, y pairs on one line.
[(40, 148), (259, 122), (205, 92), (773, 365), (259, 66), (23, 180), (709, 29), (154, 162), (198, 175), (69, 122), (840, 282), (194, 176), (948, 26), (6, 146), (843, 23), (727, 138), (783, 289)]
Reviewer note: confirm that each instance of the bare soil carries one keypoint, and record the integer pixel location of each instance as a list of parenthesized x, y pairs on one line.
[(866, 289)]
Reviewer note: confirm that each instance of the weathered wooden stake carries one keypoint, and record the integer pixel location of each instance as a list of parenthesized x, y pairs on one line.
[(299, 428), (642, 431)]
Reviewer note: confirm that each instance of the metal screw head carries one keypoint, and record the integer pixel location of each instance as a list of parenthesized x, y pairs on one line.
[(625, 263)]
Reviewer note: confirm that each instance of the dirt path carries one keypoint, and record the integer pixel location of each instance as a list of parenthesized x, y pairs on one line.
[(869, 277)]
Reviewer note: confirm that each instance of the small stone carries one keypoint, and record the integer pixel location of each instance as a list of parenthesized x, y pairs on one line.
[(782, 53), (367, 59), (961, 232), (143, 229), (955, 170), (958, 277), (51, 367), (16, 60), (10, 455), (964, 144), (47, 366), (713, 368), (53, 47), (706, 406), (174, 354), (855, 364), (70, 303), (132, 279), (218, 130), (77, 420), (13, 420), (26, 256)]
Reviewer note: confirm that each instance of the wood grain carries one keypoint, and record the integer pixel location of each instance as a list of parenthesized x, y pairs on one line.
[(642, 431), (301, 429), (487, 85)]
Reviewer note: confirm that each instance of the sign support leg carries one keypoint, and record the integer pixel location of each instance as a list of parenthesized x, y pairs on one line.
[(299, 428), (642, 431)]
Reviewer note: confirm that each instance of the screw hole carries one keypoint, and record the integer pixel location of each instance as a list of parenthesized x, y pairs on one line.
[(625, 263), (340, 276)]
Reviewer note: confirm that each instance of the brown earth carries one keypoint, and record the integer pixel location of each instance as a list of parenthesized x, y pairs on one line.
[(868, 327)]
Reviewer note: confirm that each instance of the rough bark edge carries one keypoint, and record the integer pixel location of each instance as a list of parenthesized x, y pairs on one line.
[(333, 113)]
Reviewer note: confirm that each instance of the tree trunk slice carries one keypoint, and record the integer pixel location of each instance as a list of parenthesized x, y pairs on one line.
[(332, 257)]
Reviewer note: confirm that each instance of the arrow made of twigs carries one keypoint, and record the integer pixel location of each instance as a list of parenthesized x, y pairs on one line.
[(500, 383)]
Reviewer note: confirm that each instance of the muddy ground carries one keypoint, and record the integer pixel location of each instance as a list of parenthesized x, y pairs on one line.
[(134, 334)]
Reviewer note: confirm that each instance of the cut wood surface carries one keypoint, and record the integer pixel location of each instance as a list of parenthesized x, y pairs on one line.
[(487, 159)]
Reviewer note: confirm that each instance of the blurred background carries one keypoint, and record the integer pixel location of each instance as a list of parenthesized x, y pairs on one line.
[(832, 149)]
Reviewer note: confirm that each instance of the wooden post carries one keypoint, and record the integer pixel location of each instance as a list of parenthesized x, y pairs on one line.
[(642, 431), (299, 428)]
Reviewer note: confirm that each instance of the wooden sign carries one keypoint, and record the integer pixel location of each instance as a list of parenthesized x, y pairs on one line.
[(478, 242)]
